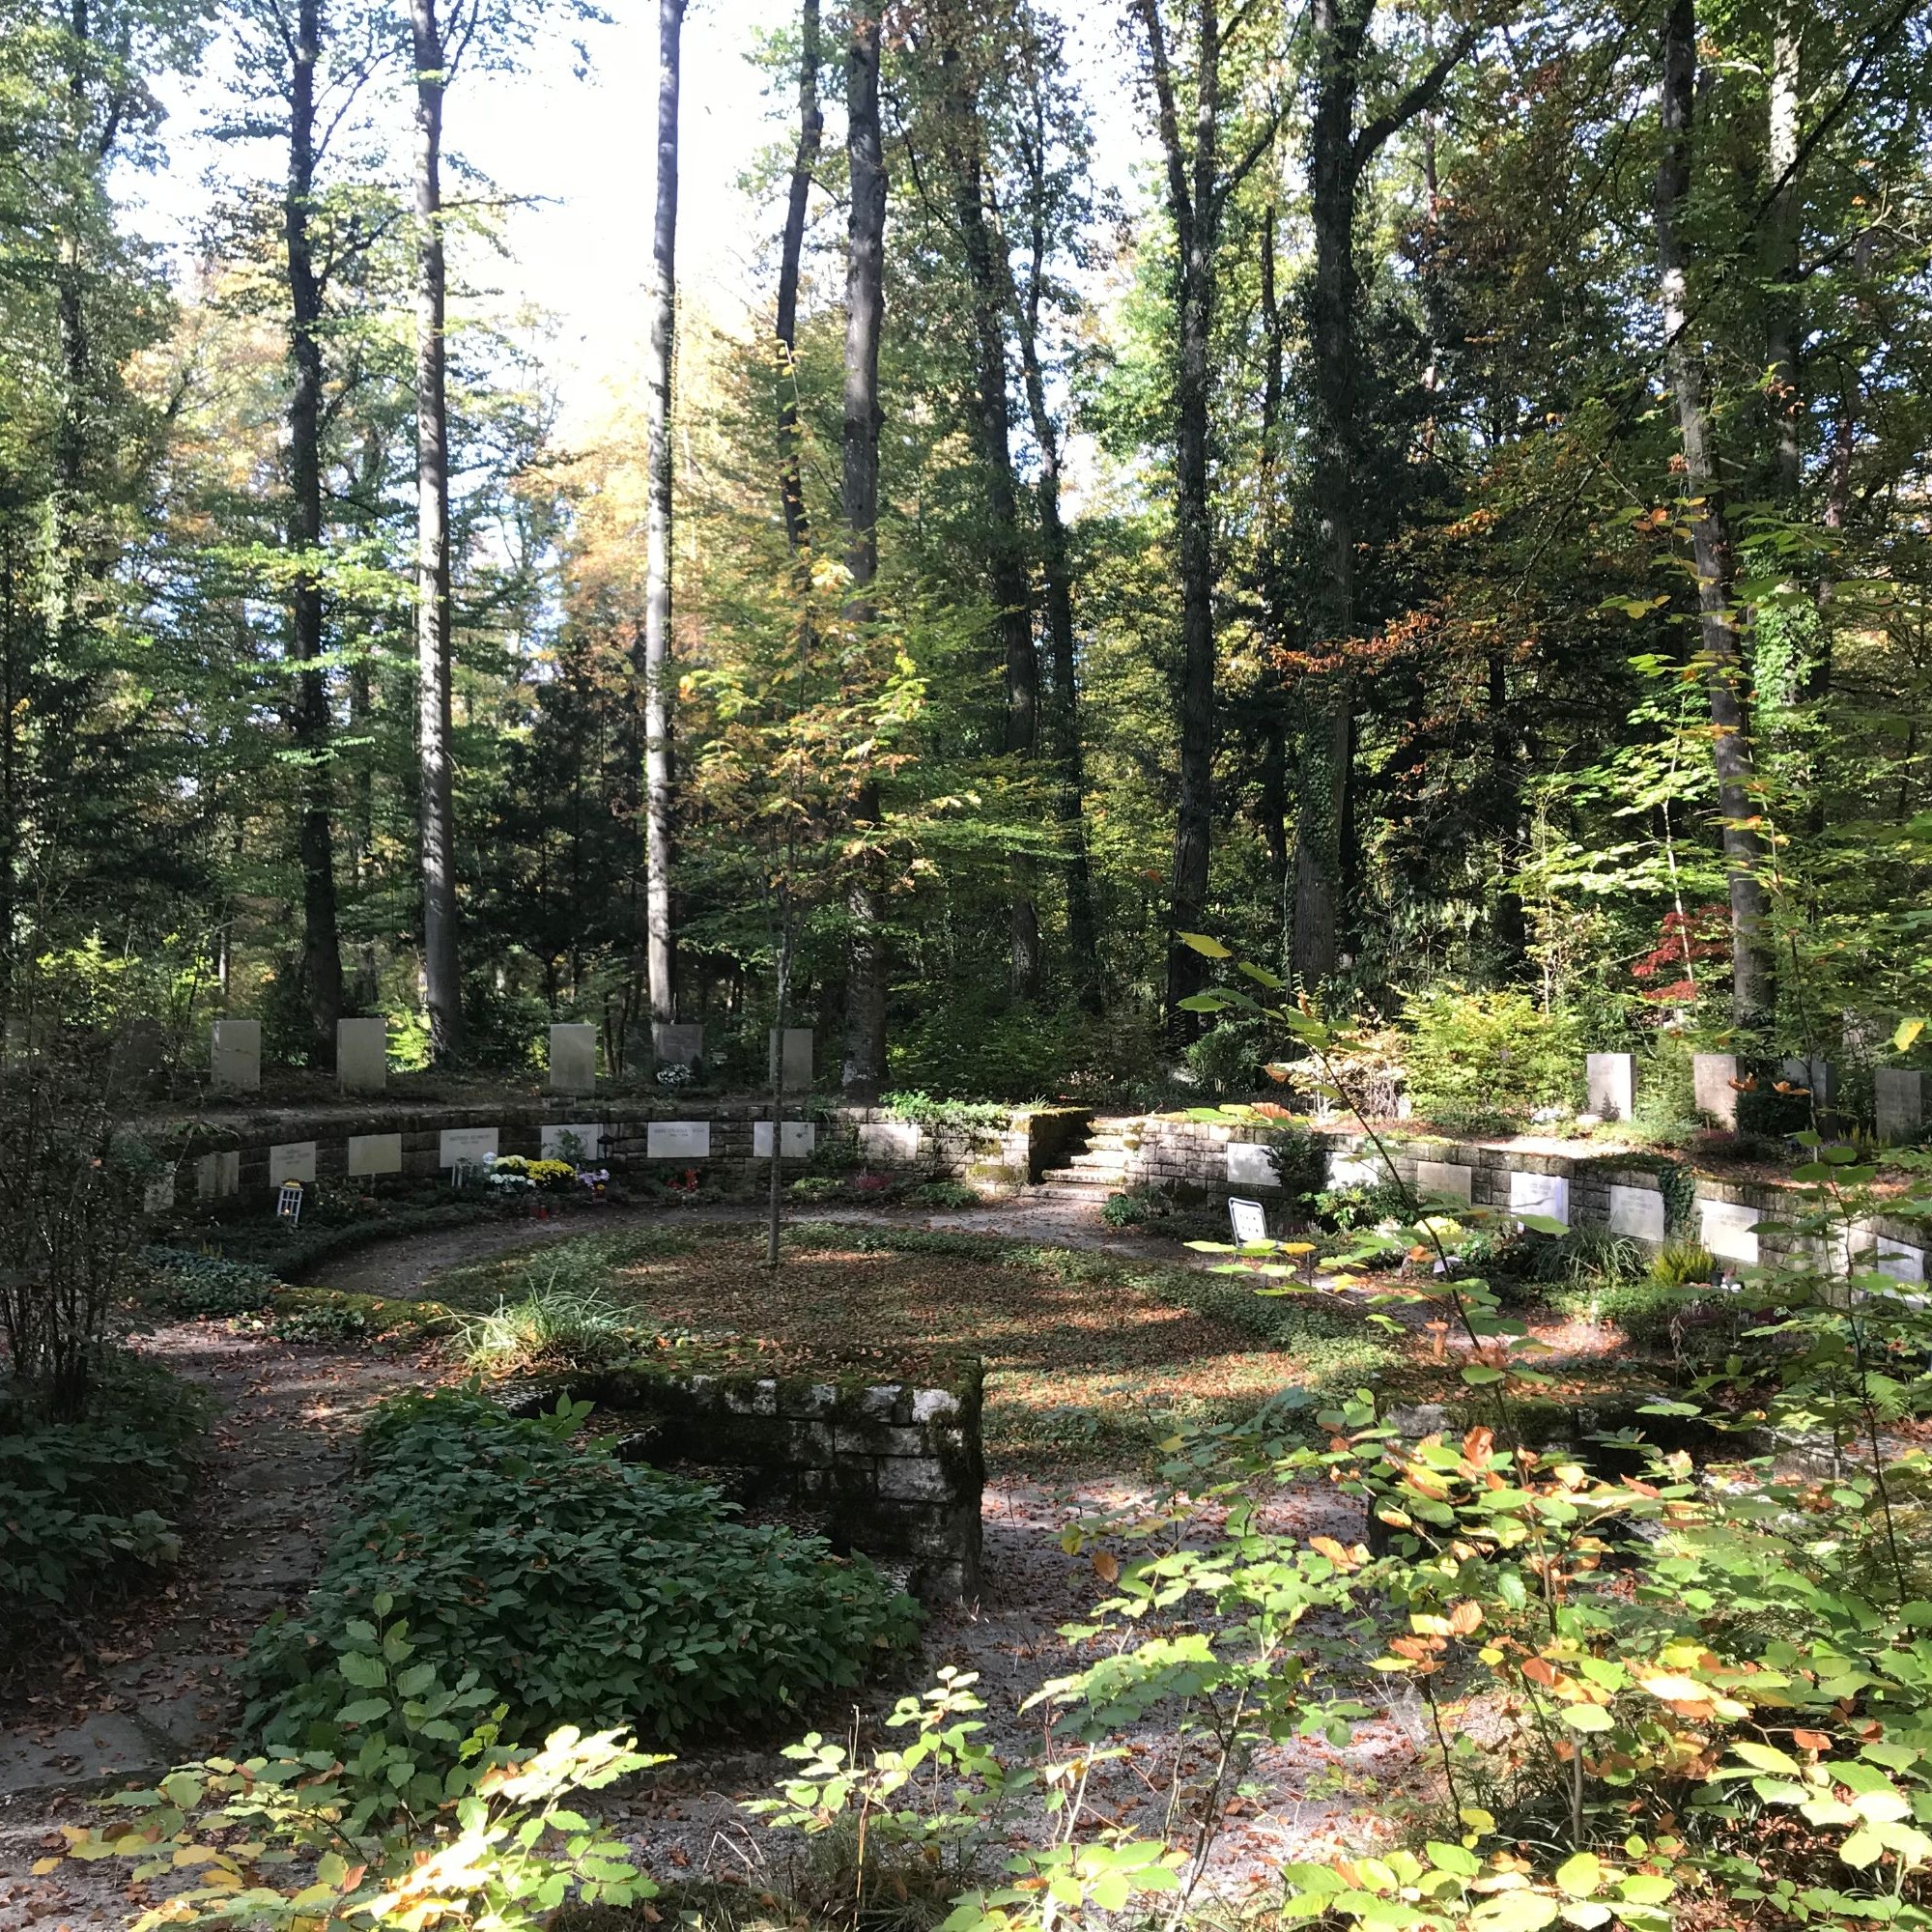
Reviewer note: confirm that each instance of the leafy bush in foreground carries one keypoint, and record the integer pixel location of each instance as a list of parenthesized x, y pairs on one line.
[(196, 1284), (578, 1589), (81, 1502)]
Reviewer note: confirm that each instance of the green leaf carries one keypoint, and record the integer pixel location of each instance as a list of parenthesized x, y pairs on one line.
[(1456, 1859), (366, 1672), (1767, 1757), (1208, 948), (1588, 1718), (1543, 1224), (364, 1711), (1861, 1849), (1581, 1875), (1478, 1376), (1908, 1031)]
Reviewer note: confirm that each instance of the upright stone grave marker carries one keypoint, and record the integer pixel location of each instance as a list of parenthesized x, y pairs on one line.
[(1730, 1230), (1711, 1077), (797, 1058), (1815, 1073), (674, 1043), (235, 1056), (572, 1058), (1898, 1094), (1612, 1085), (796, 1143), (363, 1055)]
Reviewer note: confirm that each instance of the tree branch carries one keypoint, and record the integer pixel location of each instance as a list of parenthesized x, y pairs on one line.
[(1373, 135)]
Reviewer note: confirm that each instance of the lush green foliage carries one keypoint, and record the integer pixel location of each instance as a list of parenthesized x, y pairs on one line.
[(431, 1821), (86, 1504), (1477, 1056), (611, 1593), (195, 1284)]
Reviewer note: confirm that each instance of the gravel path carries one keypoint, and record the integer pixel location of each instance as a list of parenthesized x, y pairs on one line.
[(157, 1687)]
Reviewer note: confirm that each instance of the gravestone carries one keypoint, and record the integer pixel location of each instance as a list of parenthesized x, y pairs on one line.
[(1637, 1212), (142, 1053), (1612, 1085), (459, 1144), (1900, 1260), (290, 1160), (375, 1153), (799, 1139), (1250, 1164), (677, 1139), (674, 1043), (363, 1055), (797, 1058), (1730, 1230), (889, 1140), (1249, 1221), (1355, 1170), (235, 1056), (1815, 1073), (1898, 1094), (219, 1174), (572, 1058), (1445, 1176), (588, 1136), (1546, 1194), (1711, 1077), (159, 1196)]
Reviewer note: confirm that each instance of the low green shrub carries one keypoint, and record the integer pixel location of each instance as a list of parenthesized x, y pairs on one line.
[(206, 1284), (943, 1194), (579, 1589), (86, 1505), (1131, 1208), (920, 1109), (1489, 1056)]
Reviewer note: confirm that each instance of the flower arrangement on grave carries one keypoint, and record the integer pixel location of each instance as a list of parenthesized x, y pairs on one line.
[(595, 1178), (674, 1076), (514, 1172)]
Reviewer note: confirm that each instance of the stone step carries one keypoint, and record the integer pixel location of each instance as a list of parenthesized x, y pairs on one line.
[(1079, 1181), (1112, 1143), (1097, 1160)]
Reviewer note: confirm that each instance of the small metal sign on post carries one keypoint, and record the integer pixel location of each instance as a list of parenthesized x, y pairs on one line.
[(289, 1203), (1250, 1222), (462, 1172)]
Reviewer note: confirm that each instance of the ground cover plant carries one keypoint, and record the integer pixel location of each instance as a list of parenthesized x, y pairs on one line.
[(87, 1505), (1088, 1356), (563, 1586)]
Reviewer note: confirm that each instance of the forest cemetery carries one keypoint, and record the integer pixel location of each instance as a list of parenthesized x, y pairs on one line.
[(963, 966)]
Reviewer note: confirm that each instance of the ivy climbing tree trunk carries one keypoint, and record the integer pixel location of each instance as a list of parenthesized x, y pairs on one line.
[(864, 310), (1721, 660), (435, 807), (661, 333), (321, 947)]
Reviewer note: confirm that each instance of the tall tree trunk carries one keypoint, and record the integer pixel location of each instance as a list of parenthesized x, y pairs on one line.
[(1745, 851), (1082, 928), (436, 832), (1193, 199), (865, 305), (1006, 566), (661, 337), (1327, 739), (811, 133), (322, 947), (1781, 331)]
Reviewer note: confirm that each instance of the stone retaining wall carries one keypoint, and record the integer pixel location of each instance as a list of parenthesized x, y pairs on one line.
[(1599, 1191), (253, 1152), (897, 1469)]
